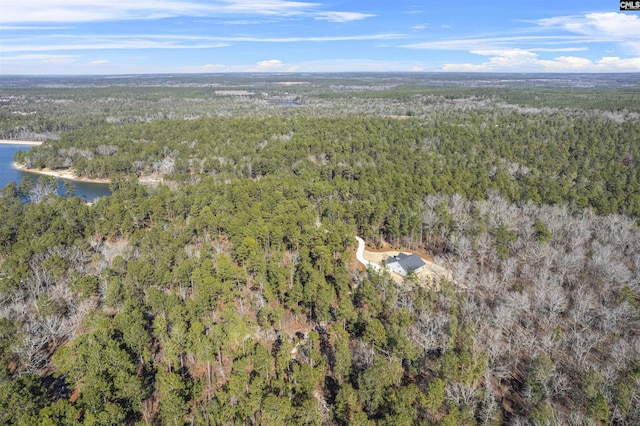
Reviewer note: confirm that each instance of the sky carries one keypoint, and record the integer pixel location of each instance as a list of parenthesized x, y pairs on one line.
[(80, 37)]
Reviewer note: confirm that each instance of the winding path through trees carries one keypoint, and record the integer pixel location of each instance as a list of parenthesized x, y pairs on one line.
[(361, 259)]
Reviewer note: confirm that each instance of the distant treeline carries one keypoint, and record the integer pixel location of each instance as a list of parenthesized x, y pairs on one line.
[(584, 159), (44, 108)]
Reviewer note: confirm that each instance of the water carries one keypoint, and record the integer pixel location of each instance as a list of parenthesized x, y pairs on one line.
[(285, 103), (87, 190)]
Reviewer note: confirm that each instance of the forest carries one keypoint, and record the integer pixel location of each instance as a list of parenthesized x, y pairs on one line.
[(218, 283)]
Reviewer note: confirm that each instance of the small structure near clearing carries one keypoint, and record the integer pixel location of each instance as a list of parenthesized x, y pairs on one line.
[(399, 264), (403, 263)]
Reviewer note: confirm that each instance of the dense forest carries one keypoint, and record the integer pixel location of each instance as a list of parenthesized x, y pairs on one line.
[(218, 283)]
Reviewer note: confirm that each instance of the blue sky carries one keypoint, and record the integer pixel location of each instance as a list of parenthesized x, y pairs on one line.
[(191, 36)]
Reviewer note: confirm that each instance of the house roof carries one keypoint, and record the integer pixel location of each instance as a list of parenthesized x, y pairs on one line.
[(408, 262)]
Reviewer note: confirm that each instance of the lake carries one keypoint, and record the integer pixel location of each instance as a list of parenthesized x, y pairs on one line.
[(284, 103), (87, 190)]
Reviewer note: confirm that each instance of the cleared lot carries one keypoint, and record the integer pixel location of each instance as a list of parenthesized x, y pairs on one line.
[(427, 277)]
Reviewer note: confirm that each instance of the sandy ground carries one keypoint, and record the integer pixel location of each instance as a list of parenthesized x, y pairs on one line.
[(63, 174), (12, 142), (69, 174), (379, 257), (427, 277)]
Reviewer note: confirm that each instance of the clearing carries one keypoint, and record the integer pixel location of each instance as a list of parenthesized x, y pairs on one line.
[(428, 276)]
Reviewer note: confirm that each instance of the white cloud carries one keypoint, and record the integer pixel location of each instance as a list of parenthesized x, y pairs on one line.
[(600, 27), (362, 65), (468, 44), (500, 60), (155, 41), (558, 49), (568, 64), (242, 21), (102, 10), (99, 62), (314, 39), (516, 54), (619, 24), (598, 24), (519, 53), (330, 65), (611, 27), (40, 56), (205, 68), (269, 65), (605, 64), (342, 16), (518, 60), (89, 43), (29, 27), (34, 11)]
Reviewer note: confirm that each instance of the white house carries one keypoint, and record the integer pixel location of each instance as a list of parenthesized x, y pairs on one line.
[(403, 263)]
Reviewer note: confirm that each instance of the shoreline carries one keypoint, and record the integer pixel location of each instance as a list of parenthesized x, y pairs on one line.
[(17, 142), (67, 174)]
